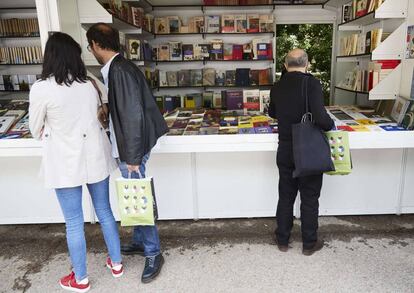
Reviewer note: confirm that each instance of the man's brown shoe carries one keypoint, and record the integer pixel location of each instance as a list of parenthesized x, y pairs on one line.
[(318, 246), (282, 248)]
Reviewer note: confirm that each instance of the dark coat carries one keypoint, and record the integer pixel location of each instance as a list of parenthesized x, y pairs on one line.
[(137, 120)]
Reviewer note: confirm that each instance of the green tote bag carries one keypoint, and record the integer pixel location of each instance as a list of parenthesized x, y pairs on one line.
[(340, 152), (136, 201)]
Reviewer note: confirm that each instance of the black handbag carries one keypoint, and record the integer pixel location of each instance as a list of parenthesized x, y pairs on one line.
[(311, 151)]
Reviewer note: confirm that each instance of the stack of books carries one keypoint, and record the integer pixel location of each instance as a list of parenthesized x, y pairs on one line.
[(19, 27), (14, 119), (359, 8), (131, 13), (21, 82), (21, 55), (356, 44)]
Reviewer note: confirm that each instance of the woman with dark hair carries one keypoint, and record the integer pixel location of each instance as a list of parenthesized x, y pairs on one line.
[(76, 151)]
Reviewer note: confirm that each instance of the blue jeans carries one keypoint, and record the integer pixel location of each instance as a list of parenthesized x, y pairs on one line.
[(146, 236), (70, 200)]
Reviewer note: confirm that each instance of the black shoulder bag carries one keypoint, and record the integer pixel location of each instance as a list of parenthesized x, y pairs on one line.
[(311, 152)]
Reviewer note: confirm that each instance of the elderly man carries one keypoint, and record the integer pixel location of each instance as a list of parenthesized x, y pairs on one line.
[(287, 105)]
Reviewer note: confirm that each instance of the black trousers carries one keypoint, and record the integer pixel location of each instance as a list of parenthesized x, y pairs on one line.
[(309, 188)]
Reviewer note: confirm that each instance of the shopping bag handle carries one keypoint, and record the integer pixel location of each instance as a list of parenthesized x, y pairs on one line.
[(139, 173)]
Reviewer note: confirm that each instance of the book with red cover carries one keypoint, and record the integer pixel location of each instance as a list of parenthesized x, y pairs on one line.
[(345, 128), (361, 8), (388, 64), (237, 52), (264, 77)]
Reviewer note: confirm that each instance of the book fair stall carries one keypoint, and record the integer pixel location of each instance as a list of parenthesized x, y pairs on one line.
[(211, 65)]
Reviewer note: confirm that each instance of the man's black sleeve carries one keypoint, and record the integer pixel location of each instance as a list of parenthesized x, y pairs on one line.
[(316, 106), (272, 108)]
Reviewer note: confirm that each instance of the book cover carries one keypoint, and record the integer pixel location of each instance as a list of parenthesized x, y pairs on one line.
[(410, 42), (213, 23), (209, 130), (246, 130), (399, 109), (242, 76), (198, 55), (266, 23), (228, 24), (254, 77), (220, 77), (228, 130), (137, 16), (237, 52), (198, 24), (216, 50), (205, 51), (174, 24), (162, 78), (23, 82), (5, 123), (208, 100), (188, 51), (172, 78), (196, 77), (240, 22), (209, 76), (217, 98), (184, 78), (264, 77), (346, 12), (134, 49), (161, 25), (263, 51), (263, 130), (164, 52), (368, 43), (230, 78), (176, 53), (247, 51), (361, 8), (264, 101), (253, 23), (234, 100), (228, 51), (251, 100)]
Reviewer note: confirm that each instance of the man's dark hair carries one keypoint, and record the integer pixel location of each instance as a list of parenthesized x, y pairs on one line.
[(62, 60), (104, 35)]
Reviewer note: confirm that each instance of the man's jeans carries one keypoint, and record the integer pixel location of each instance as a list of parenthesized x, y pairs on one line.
[(70, 200), (146, 236)]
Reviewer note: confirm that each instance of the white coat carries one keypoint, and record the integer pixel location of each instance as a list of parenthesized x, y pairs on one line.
[(76, 150)]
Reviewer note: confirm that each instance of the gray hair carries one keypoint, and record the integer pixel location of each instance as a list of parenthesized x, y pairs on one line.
[(297, 61)]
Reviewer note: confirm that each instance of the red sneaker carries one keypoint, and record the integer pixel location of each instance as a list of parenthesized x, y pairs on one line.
[(117, 270), (69, 283)]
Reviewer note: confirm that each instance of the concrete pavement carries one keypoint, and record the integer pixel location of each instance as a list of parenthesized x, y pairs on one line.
[(362, 254)]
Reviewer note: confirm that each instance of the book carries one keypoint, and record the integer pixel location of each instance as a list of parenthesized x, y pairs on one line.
[(253, 23), (228, 24), (220, 77), (228, 51), (368, 43), (217, 98), (251, 100), (230, 78), (196, 77), (233, 100), (208, 100), (242, 76), (254, 77), (134, 49), (264, 101), (184, 78), (174, 24), (237, 52), (205, 51), (176, 52), (265, 77), (361, 8), (197, 52), (376, 37), (247, 51), (6, 123), (346, 12), (216, 50), (266, 23), (161, 25), (196, 24), (240, 22), (163, 82), (188, 51), (137, 16), (172, 78), (212, 23), (164, 52), (399, 109), (209, 76)]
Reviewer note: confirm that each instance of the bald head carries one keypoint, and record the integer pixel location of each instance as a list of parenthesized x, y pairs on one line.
[(297, 59)]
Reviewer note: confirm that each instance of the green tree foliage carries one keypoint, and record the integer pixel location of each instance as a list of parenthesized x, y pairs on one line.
[(316, 40)]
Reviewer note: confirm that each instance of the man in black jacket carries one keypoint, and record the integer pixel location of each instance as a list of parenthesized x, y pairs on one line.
[(135, 125), (287, 105)]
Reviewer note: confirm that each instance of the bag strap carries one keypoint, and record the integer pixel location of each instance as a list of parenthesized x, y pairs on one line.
[(305, 93), (95, 85)]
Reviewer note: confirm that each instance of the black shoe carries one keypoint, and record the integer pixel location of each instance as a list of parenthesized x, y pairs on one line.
[(318, 246), (153, 265), (132, 248)]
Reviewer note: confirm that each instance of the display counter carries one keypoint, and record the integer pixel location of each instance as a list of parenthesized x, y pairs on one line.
[(225, 176)]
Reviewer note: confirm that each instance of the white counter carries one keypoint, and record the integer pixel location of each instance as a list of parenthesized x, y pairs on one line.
[(224, 176)]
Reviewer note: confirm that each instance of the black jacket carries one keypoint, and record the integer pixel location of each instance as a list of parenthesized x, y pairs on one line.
[(287, 103), (137, 120)]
